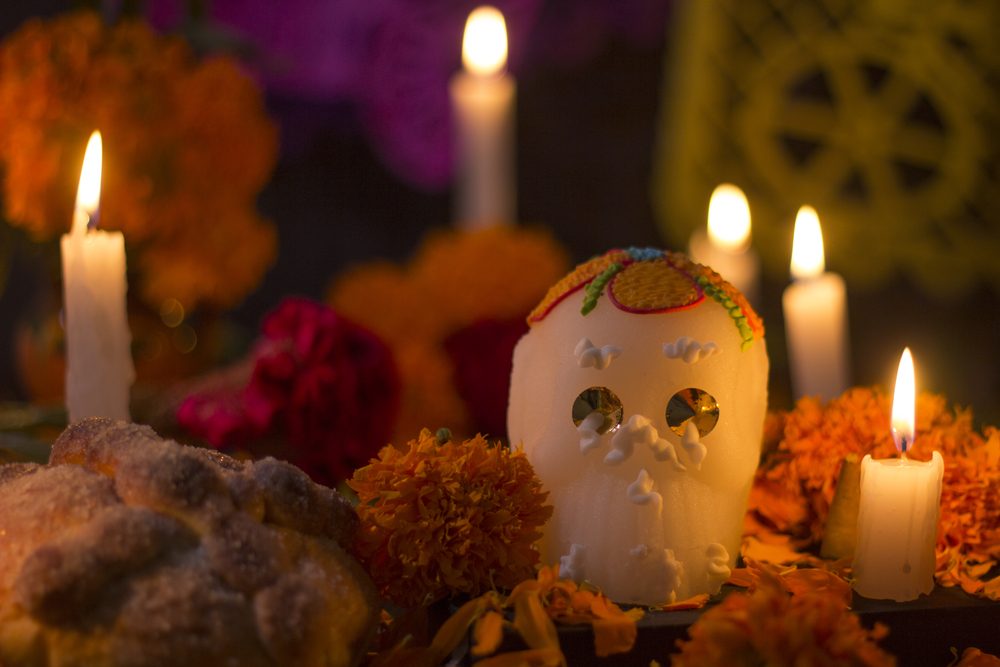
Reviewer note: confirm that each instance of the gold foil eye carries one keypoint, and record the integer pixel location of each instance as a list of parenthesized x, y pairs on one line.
[(695, 405), (598, 399)]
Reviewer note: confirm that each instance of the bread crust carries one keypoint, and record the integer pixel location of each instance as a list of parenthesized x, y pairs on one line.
[(128, 550)]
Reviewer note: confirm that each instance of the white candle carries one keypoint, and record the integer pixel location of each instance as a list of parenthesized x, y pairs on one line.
[(99, 367), (483, 102), (898, 511), (726, 246), (815, 308)]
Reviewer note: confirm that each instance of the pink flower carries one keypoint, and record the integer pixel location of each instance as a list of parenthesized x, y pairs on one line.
[(324, 387)]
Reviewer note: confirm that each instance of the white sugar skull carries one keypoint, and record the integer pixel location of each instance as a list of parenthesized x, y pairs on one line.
[(639, 396)]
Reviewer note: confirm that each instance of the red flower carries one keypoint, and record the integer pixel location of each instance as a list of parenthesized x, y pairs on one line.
[(321, 384), (216, 416), (482, 355)]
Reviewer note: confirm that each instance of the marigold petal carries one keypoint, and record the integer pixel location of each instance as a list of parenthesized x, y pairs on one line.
[(777, 553), (695, 601), (452, 632), (974, 657), (532, 623), (488, 633), (992, 588), (811, 580)]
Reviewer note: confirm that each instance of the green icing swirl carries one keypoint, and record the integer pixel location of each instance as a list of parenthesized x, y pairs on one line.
[(733, 310), (594, 288)]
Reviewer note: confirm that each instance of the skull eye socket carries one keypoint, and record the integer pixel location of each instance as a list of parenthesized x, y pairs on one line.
[(602, 400), (692, 405)]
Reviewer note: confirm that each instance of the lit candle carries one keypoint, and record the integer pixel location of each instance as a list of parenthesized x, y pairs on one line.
[(483, 101), (726, 246), (898, 511), (815, 308), (99, 368)]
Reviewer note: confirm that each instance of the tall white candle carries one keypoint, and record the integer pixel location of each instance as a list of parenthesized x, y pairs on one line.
[(482, 97), (898, 511), (99, 369), (815, 309), (726, 245)]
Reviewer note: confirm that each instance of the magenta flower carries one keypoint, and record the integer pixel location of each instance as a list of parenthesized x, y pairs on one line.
[(322, 387)]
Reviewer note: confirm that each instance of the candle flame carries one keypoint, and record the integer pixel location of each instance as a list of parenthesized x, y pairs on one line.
[(484, 46), (729, 218), (88, 195), (807, 245), (903, 402)]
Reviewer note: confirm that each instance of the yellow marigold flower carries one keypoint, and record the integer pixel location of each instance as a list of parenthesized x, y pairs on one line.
[(188, 146), (771, 627), (442, 519)]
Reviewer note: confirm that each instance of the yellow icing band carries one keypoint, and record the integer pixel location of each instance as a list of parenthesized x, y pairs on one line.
[(650, 281), (653, 286), (573, 281)]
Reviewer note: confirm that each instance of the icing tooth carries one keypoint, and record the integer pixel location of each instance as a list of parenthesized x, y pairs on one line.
[(637, 430), (571, 565), (640, 492), (615, 456), (587, 355), (718, 565), (589, 437), (692, 444), (663, 450), (675, 572), (639, 551)]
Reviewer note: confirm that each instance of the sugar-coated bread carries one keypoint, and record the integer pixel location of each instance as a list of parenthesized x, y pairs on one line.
[(132, 550)]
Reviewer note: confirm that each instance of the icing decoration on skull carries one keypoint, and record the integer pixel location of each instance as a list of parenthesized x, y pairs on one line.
[(647, 446)]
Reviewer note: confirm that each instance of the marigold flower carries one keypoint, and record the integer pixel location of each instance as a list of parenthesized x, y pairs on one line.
[(442, 519), (188, 146), (796, 482), (769, 626), (455, 282)]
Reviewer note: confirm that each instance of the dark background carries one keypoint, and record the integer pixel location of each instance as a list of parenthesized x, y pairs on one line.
[(586, 134)]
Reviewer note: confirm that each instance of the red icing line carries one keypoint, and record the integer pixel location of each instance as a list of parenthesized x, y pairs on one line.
[(668, 309), (573, 290)]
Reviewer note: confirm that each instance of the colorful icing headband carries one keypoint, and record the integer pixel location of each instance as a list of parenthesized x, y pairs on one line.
[(649, 280)]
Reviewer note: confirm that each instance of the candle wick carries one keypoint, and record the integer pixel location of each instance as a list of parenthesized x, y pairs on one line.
[(93, 220)]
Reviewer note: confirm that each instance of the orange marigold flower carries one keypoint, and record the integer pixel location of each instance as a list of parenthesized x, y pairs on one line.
[(800, 473), (796, 482), (188, 146), (454, 280), (445, 518), (973, 657), (769, 626)]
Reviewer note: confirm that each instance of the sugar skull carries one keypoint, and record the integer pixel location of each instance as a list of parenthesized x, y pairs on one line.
[(639, 396)]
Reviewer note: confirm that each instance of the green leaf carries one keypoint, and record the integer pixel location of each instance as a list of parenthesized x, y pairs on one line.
[(18, 447), (24, 416)]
